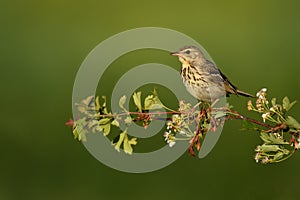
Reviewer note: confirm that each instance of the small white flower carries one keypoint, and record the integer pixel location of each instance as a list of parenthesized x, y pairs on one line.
[(258, 94), (265, 160), (169, 125), (169, 138), (166, 135), (257, 157), (277, 135), (175, 117), (265, 116), (261, 93), (272, 109), (171, 143), (249, 105), (257, 149)]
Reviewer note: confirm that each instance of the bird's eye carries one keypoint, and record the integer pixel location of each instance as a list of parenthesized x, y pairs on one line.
[(187, 51)]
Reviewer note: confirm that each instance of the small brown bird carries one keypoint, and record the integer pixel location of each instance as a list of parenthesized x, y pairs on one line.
[(202, 78)]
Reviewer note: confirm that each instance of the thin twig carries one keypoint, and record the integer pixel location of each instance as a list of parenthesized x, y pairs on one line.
[(139, 113), (242, 117)]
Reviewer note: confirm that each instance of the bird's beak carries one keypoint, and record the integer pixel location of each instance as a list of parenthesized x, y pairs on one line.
[(175, 53)]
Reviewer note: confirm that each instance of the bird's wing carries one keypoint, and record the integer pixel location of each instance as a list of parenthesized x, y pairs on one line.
[(218, 76)]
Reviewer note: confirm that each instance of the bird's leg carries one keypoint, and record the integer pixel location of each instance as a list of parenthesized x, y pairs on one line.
[(196, 139), (215, 122), (202, 113), (212, 119), (196, 105), (191, 113), (214, 102)]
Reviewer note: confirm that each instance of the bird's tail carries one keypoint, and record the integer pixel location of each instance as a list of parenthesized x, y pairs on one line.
[(239, 92)]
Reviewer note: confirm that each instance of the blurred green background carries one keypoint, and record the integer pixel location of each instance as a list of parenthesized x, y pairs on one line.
[(255, 43)]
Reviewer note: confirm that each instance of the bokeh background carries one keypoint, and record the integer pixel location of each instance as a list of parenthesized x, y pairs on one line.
[(42, 44)]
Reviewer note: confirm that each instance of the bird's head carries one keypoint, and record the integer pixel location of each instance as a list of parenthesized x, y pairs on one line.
[(189, 54)]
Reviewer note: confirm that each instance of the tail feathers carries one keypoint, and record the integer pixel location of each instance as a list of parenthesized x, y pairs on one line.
[(239, 92)]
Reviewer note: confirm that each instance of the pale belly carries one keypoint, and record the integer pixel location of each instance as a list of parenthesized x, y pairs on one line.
[(198, 86)]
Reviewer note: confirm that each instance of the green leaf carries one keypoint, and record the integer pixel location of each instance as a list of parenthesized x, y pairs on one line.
[(79, 132), (87, 106), (205, 125), (278, 156), (98, 106), (105, 129), (278, 119), (148, 102), (81, 108), (152, 102), (82, 135), (271, 138), (115, 123), (132, 141), (276, 140), (127, 144), (128, 120), (105, 125), (122, 102), (286, 152), (137, 100), (273, 101), (265, 137), (269, 148), (99, 128), (154, 92), (291, 105), (88, 101), (104, 109), (120, 141), (75, 132), (104, 121), (219, 114), (104, 101), (92, 124), (292, 122), (285, 103)]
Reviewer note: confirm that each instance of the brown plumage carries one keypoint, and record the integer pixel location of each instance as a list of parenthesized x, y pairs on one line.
[(202, 78)]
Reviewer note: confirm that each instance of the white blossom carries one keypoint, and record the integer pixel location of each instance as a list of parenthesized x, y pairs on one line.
[(265, 116), (169, 125), (261, 93), (172, 143), (257, 157), (166, 135), (169, 138), (265, 160)]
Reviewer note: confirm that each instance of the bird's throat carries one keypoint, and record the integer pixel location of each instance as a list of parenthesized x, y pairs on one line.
[(183, 61)]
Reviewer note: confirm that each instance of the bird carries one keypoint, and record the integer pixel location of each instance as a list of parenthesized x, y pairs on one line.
[(202, 78)]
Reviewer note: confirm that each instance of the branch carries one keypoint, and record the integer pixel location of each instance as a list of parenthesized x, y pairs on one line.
[(277, 146), (243, 117)]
